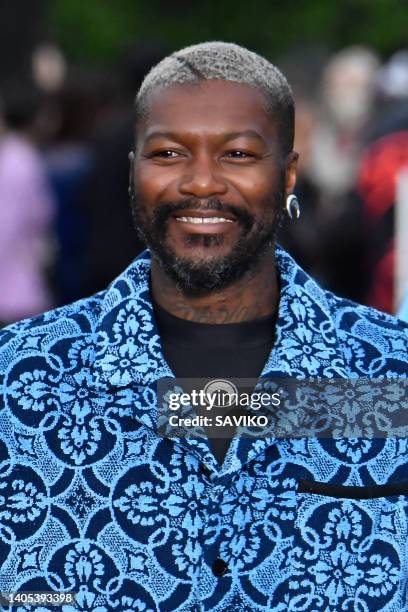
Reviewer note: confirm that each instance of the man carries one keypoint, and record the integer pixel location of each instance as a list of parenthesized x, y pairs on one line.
[(93, 501)]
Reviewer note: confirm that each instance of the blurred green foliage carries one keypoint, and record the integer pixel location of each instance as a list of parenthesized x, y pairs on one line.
[(99, 30)]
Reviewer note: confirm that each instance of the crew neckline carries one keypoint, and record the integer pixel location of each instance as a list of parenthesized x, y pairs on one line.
[(255, 332)]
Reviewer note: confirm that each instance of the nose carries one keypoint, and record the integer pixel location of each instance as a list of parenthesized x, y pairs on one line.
[(202, 178)]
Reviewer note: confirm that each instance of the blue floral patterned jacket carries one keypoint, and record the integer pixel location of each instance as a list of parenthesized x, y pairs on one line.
[(92, 501)]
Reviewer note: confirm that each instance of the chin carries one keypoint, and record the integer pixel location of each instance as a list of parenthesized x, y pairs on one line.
[(197, 248), (202, 254), (203, 272)]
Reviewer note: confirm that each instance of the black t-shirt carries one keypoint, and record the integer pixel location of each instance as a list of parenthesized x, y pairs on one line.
[(203, 350)]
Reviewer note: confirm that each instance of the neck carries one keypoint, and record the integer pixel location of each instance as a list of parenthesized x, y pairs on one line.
[(254, 296)]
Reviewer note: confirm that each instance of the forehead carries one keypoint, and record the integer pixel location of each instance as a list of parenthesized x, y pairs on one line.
[(210, 106)]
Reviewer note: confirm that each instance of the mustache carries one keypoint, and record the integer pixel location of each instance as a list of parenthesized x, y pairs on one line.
[(166, 210)]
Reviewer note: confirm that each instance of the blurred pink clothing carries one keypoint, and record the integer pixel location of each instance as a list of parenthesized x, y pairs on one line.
[(26, 211)]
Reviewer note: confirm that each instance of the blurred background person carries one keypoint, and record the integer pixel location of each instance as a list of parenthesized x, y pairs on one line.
[(26, 205), (331, 128), (82, 100), (347, 96), (383, 161)]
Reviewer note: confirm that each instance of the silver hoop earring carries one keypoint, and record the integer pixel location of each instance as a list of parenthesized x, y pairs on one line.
[(292, 207)]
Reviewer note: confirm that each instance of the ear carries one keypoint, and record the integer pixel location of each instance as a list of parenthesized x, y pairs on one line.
[(291, 171)]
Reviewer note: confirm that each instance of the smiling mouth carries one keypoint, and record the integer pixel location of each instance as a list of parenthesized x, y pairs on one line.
[(204, 223), (199, 220)]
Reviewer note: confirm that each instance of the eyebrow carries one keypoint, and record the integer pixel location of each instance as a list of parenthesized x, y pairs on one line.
[(226, 137)]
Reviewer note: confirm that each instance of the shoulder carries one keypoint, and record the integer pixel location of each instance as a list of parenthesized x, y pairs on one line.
[(34, 337), (374, 343), (69, 337), (360, 341)]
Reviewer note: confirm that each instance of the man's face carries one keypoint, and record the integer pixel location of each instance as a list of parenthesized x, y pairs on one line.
[(209, 180)]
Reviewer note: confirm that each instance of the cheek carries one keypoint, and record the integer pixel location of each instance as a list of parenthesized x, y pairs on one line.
[(255, 186), (153, 183)]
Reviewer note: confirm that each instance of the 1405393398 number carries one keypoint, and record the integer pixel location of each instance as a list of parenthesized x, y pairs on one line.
[(36, 597)]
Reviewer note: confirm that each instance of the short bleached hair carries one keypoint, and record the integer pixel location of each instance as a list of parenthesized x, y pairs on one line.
[(225, 62)]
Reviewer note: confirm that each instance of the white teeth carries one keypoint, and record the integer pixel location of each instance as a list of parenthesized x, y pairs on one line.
[(204, 220)]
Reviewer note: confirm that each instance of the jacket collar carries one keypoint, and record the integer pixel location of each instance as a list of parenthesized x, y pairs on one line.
[(129, 358)]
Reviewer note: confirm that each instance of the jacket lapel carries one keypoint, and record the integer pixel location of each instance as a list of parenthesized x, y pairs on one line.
[(129, 359)]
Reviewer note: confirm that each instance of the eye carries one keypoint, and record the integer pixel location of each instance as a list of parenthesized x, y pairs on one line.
[(165, 154), (238, 154)]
